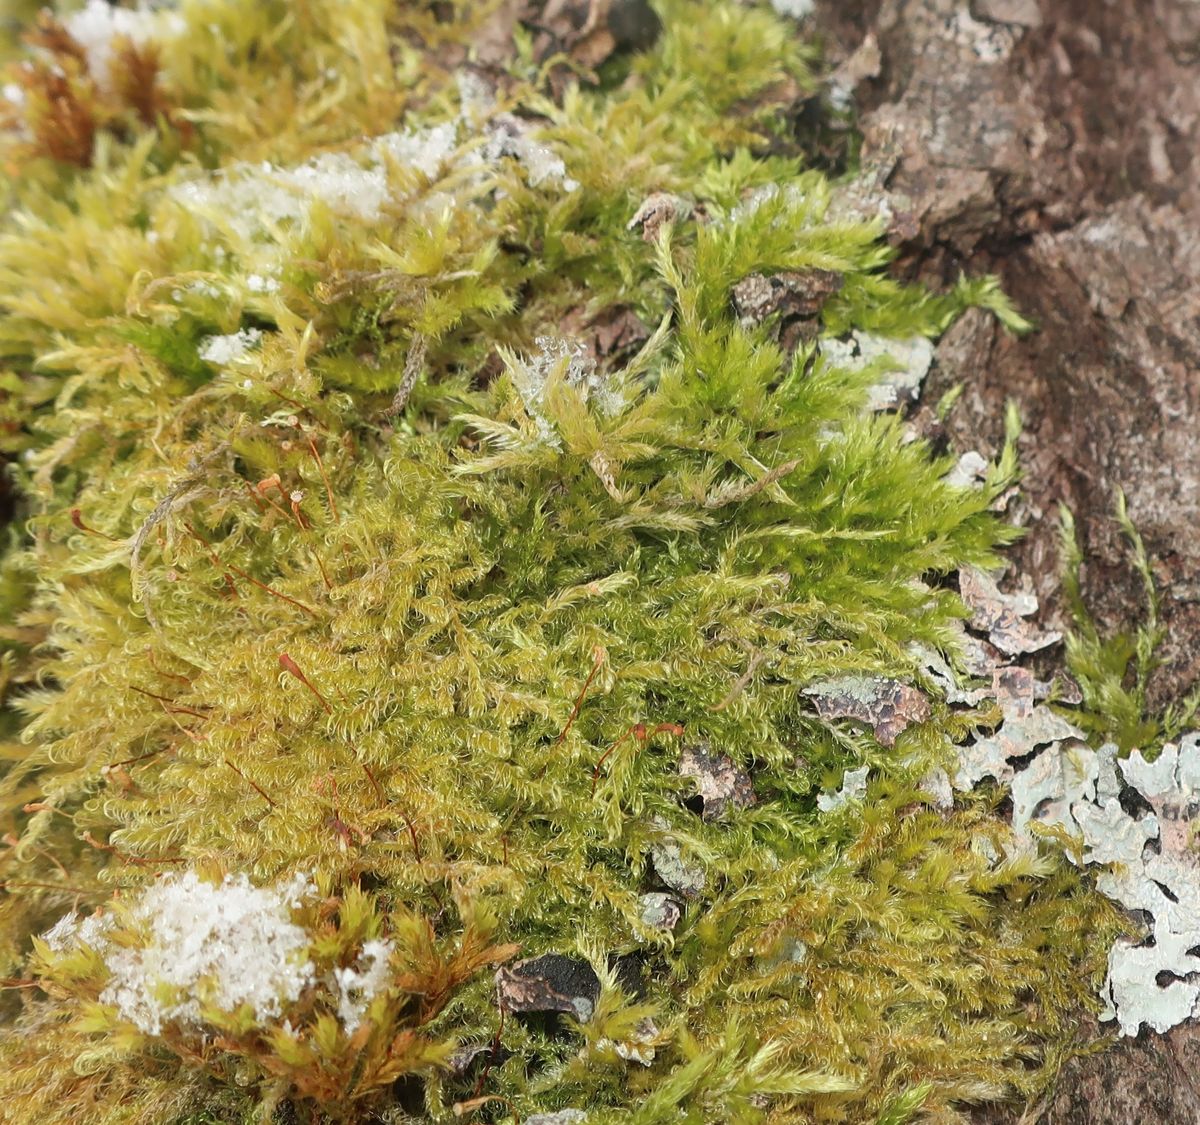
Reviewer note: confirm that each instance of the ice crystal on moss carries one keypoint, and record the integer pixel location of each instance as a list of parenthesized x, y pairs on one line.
[(98, 27), (426, 150), (256, 283), (508, 136), (357, 987), (223, 350), (71, 931), (568, 359), (223, 945)]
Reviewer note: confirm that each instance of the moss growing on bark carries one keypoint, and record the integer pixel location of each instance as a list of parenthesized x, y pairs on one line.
[(405, 499)]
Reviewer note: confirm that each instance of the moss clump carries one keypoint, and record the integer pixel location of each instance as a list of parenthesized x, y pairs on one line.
[(397, 516)]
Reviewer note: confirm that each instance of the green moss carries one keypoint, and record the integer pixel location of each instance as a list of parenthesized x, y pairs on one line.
[(1114, 671), (441, 645)]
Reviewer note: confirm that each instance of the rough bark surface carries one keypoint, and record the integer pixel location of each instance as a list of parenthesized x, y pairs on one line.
[(1053, 142)]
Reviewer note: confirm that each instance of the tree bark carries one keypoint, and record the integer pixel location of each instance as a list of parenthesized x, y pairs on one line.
[(1052, 142)]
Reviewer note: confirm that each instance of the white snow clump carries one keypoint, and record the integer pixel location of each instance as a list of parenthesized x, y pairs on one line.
[(358, 987), (97, 26), (223, 350), (222, 945)]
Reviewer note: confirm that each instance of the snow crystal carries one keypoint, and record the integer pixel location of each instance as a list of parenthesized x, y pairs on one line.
[(252, 199), (256, 283), (358, 987), (223, 945), (557, 356), (341, 183), (475, 97), (428, 150), (509, 136), (71, 931), (222, 350), (97, 26), (61, 935)]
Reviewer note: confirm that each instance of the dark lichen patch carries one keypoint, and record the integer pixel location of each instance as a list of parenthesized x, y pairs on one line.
[(888, 707), (720, 784), (791, 294), (549, 983)]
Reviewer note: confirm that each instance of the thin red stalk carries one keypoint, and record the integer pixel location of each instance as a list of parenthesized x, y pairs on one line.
[(291, 667), (77, 520), (483, 1077), (136, 861), (412, 833), (607, 753), (257, 789), (168, 675), (328, 489), (251, 578), (38, 806), (177, 708), (134, 761), (6, 883), (597, 660), (289, 401), (374, 782), (324, 573), (639, 731), (255, 497), (275, 593)]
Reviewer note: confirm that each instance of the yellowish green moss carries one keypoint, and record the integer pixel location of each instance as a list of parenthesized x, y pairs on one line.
[(440, 650)]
